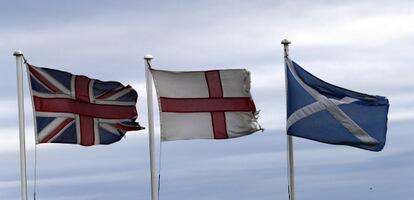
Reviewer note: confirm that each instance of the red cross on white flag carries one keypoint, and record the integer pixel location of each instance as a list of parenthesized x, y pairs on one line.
[(205, 104)]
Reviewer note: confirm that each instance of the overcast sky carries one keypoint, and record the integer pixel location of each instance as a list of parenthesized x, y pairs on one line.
[(360, 45)]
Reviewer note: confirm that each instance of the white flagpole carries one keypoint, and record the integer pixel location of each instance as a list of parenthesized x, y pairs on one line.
[(154, 178), (23, 176), (291, 171)]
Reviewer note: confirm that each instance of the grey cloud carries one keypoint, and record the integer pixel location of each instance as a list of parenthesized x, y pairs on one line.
[(328, 39)]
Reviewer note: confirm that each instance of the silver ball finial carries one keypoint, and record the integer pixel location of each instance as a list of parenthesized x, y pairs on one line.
[(17, 53), (148, 57), (285, 42)]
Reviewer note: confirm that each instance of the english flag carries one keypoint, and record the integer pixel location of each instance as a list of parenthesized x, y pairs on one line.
[(78, 110), (212, 104)]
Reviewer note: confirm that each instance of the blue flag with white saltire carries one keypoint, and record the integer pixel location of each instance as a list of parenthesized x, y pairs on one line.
[(327, 113)]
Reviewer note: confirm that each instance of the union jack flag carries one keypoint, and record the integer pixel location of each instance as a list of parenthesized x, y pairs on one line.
[(78, 110)]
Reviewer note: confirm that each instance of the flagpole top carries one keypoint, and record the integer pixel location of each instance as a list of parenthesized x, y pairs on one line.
[(285, 42), (17, 53), (148, 57)]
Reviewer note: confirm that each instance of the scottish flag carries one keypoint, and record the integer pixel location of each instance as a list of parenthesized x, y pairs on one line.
[(326, 113)]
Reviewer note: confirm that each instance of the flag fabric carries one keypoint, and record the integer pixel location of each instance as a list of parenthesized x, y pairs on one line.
[(212, 104), (78, 110), (323, 112)]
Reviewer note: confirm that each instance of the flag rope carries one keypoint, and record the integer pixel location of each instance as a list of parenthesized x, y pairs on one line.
[(35, 173), (159, 154), (159, 170), (35, 147)]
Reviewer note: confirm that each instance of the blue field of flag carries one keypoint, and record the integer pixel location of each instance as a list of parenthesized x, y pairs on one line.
[(323, 112)]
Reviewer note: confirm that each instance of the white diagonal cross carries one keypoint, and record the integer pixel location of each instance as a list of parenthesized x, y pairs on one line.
[(331, 106)]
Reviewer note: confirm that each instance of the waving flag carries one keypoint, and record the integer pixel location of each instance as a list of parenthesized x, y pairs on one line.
[(323, 112), (79, 110), (205, 104)]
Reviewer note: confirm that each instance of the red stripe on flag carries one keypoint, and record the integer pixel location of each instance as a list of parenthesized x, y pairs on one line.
[(87, 131), (57, 130), (42, 79), (218, 120), (225, 104), (82, 88), (82, 108), (214, 84), (215, 90)]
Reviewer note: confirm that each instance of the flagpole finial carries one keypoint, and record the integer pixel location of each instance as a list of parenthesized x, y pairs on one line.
[(148, 57), (285, 42), (17, 53)]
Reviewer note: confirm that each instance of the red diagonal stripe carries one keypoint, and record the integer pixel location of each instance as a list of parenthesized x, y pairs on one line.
[(56, 130), (42, 79), (225, 104), (82, 108)]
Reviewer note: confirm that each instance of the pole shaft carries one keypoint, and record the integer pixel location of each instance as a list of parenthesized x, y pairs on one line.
[(291, 170), (154, 177), (289, 141), (20, 97)]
